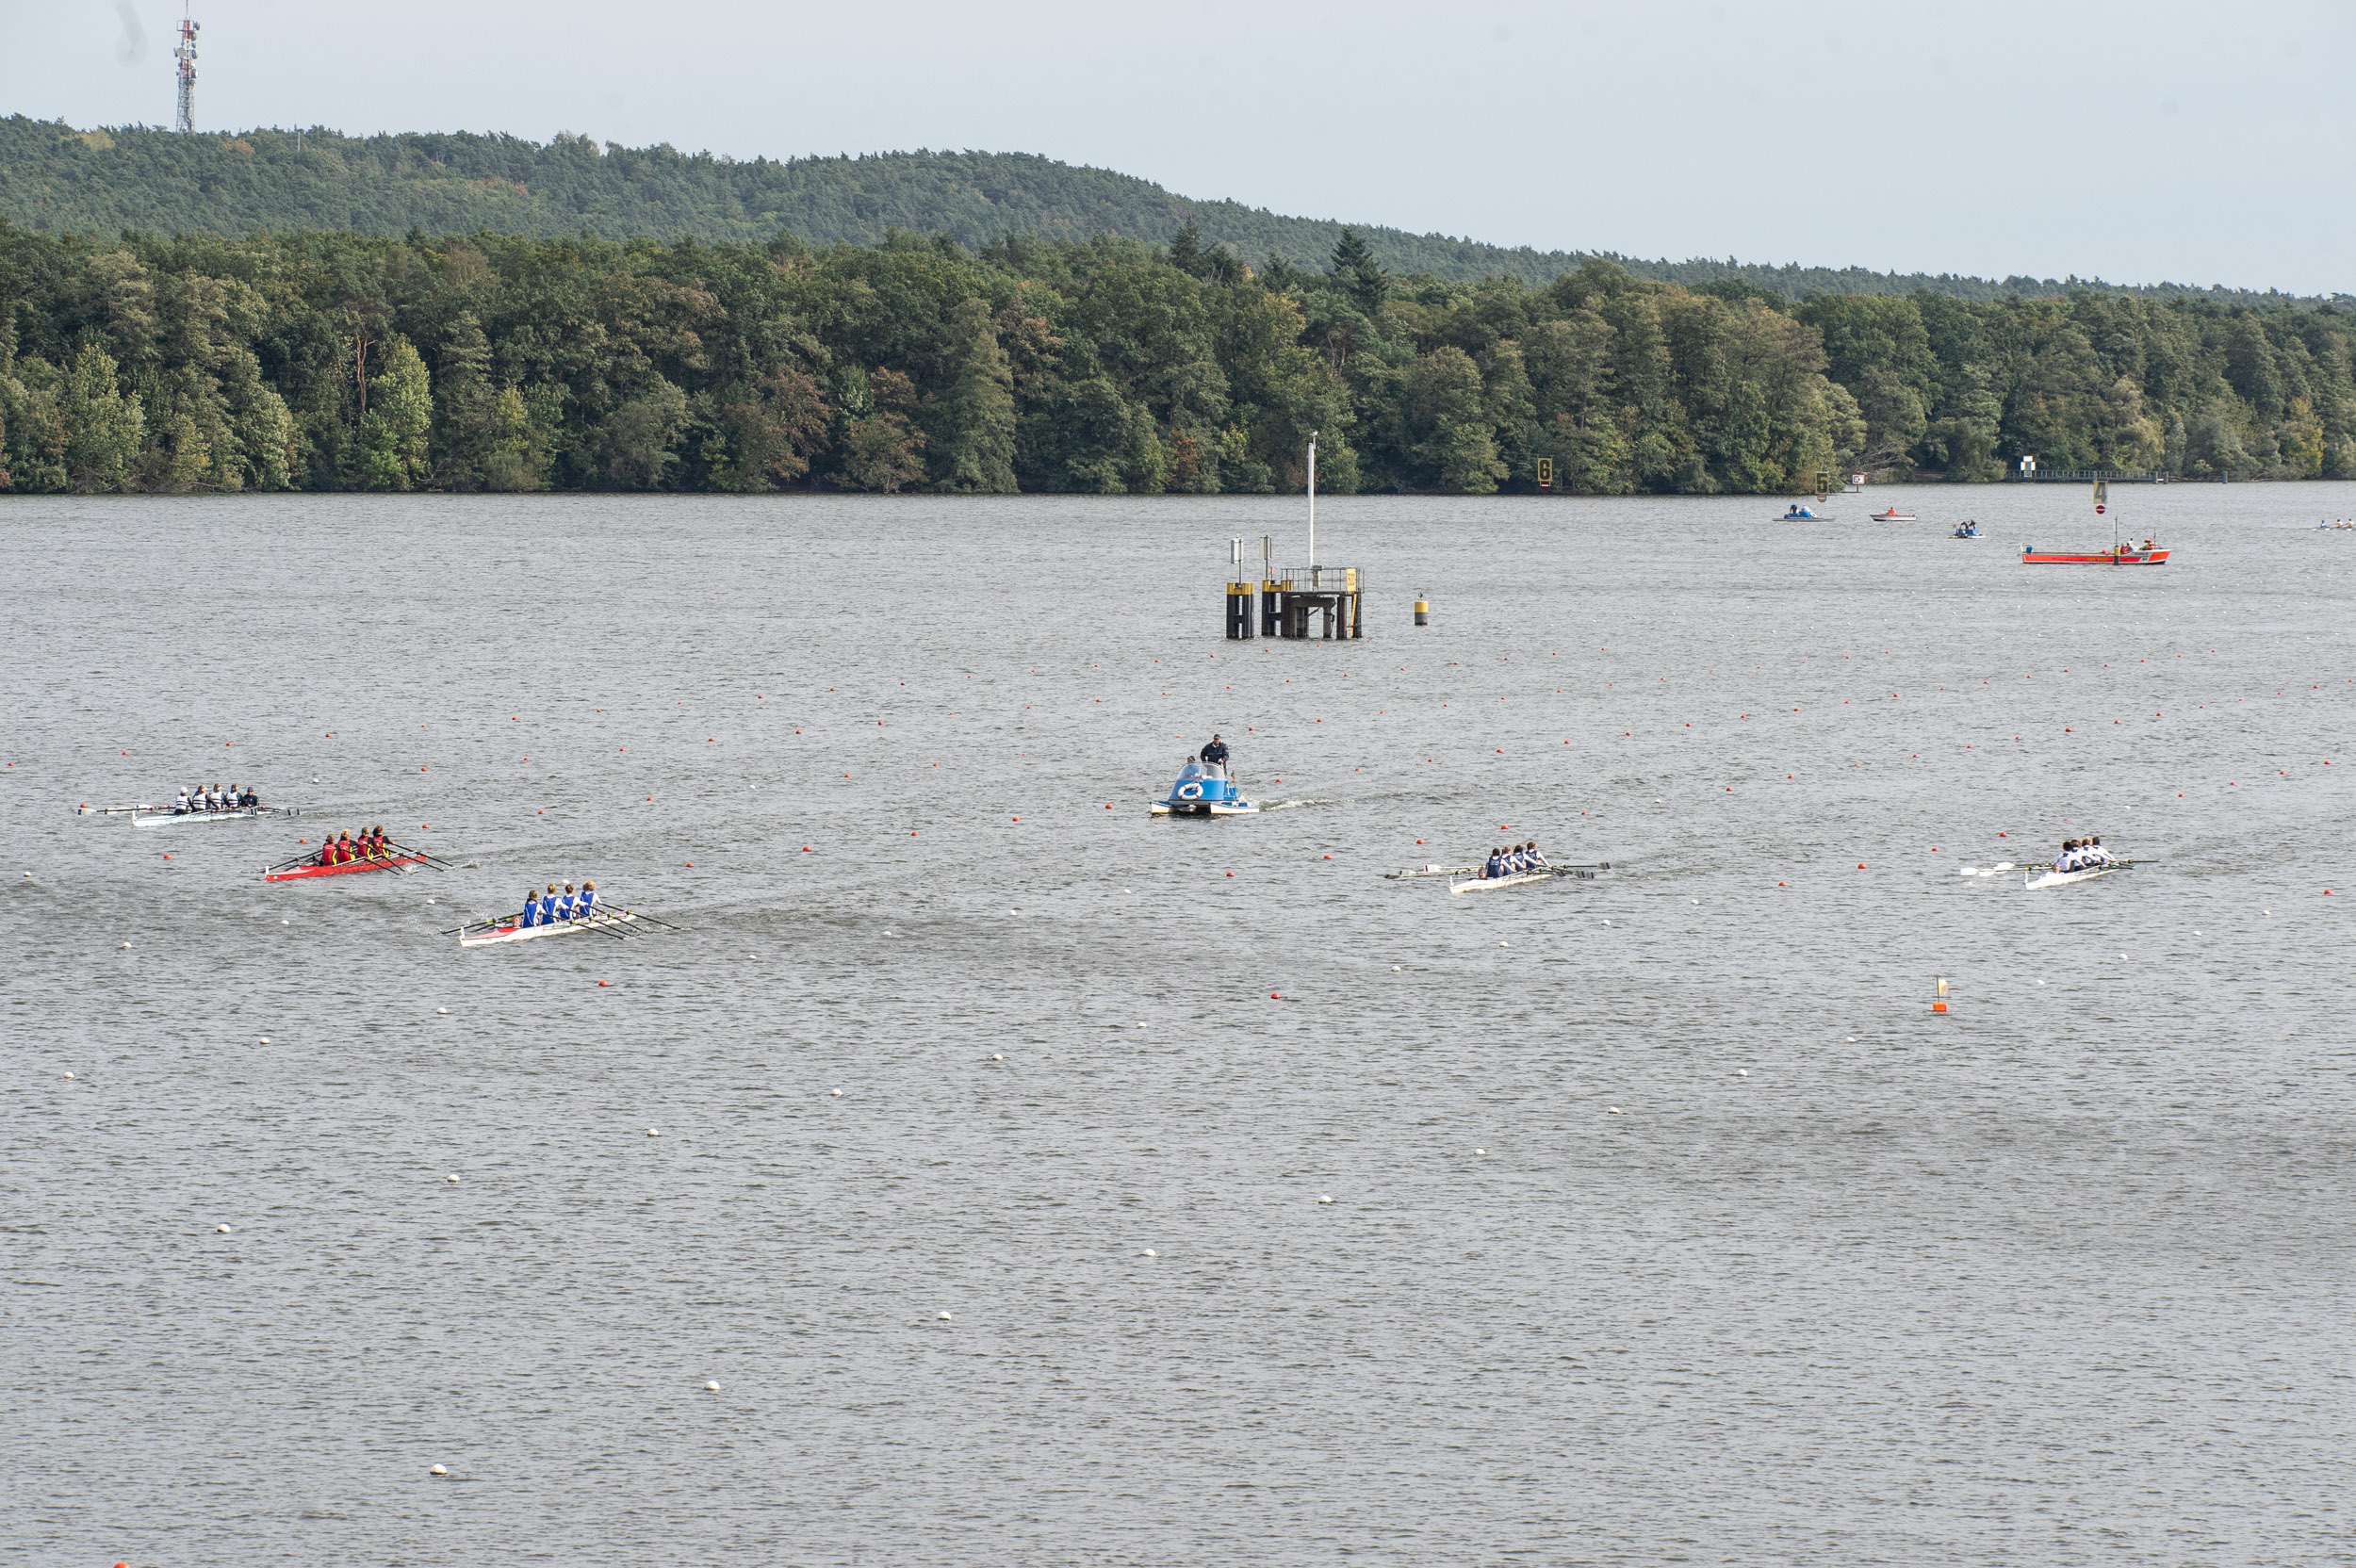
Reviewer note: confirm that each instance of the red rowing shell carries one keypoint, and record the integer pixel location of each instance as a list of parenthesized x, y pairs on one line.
[(292, 872), (2101, 558)]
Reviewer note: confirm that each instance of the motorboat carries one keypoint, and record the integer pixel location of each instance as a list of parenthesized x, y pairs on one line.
[(1202, 790)]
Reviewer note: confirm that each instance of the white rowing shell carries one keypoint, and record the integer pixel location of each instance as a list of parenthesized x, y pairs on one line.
[(528, 933), (1490, 883), (2063, 878), (164, 816)]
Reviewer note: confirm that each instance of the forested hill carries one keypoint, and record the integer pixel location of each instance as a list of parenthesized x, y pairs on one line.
[(109, 182), (349, 362)]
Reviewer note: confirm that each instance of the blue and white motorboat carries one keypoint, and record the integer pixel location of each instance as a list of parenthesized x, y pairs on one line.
[(1969, 530), (1204, 790), (1799, 513)]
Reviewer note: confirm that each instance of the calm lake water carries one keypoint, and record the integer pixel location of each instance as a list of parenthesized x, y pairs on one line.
[(1667, 1222)]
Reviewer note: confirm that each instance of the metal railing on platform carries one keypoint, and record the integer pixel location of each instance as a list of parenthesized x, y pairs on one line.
[(1319, 580)]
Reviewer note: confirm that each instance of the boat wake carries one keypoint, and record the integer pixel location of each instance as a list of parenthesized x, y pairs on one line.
[(1288, 805)]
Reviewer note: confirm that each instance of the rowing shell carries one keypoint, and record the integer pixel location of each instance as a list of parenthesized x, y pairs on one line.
[(2063, 878), (164, 816), (291, 874), (506, 930), (1519, 879)]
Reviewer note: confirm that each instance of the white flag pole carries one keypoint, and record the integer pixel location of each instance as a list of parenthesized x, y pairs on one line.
[(1313, 501)]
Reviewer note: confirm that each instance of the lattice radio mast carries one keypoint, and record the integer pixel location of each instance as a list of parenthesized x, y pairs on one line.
[(186, 54)]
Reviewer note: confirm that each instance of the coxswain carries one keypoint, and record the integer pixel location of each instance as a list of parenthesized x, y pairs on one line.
[(587, 902), (1215, 756), (1531, 856), (532, 909), (251, 799)]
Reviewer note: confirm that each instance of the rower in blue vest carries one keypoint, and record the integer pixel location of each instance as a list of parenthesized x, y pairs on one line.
[(1531, 857), (587, 902), (1495, 867), (564, 904), (531, 910)]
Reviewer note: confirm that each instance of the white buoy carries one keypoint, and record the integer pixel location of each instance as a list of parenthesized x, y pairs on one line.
[(437, 1470), (654, 1132), (1613, 1111), (1480, 1151), (1396, 969), (126, 944), (441, 1010), (1149, 1252), (1607, 923), (711, 1388), (1505, 945), (223, 1229), (1744, 1073), (285, 922), (429, 901), (1325, 1198), (265, 1039), (887, 932), (944, 1318), (998, 1056), (69, 1075), (838, 1094), (453, 1178)]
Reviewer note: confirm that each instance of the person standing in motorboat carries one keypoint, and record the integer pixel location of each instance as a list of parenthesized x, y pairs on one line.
[(1214, 756)]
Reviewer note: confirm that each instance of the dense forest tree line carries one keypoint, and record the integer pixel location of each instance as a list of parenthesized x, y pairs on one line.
[(342, 362), (139, 179)]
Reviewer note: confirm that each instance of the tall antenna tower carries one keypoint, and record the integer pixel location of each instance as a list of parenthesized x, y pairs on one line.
[(186, 54)]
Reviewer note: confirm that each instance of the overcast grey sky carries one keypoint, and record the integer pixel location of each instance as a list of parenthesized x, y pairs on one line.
[(2137, 141)]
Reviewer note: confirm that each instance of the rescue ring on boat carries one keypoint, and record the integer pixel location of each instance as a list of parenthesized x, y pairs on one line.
[(1190, 791)]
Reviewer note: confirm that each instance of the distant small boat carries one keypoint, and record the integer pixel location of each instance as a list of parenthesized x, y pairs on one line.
[(1969, 530), (2125, 555), (1892, 515), (1800, 513)]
